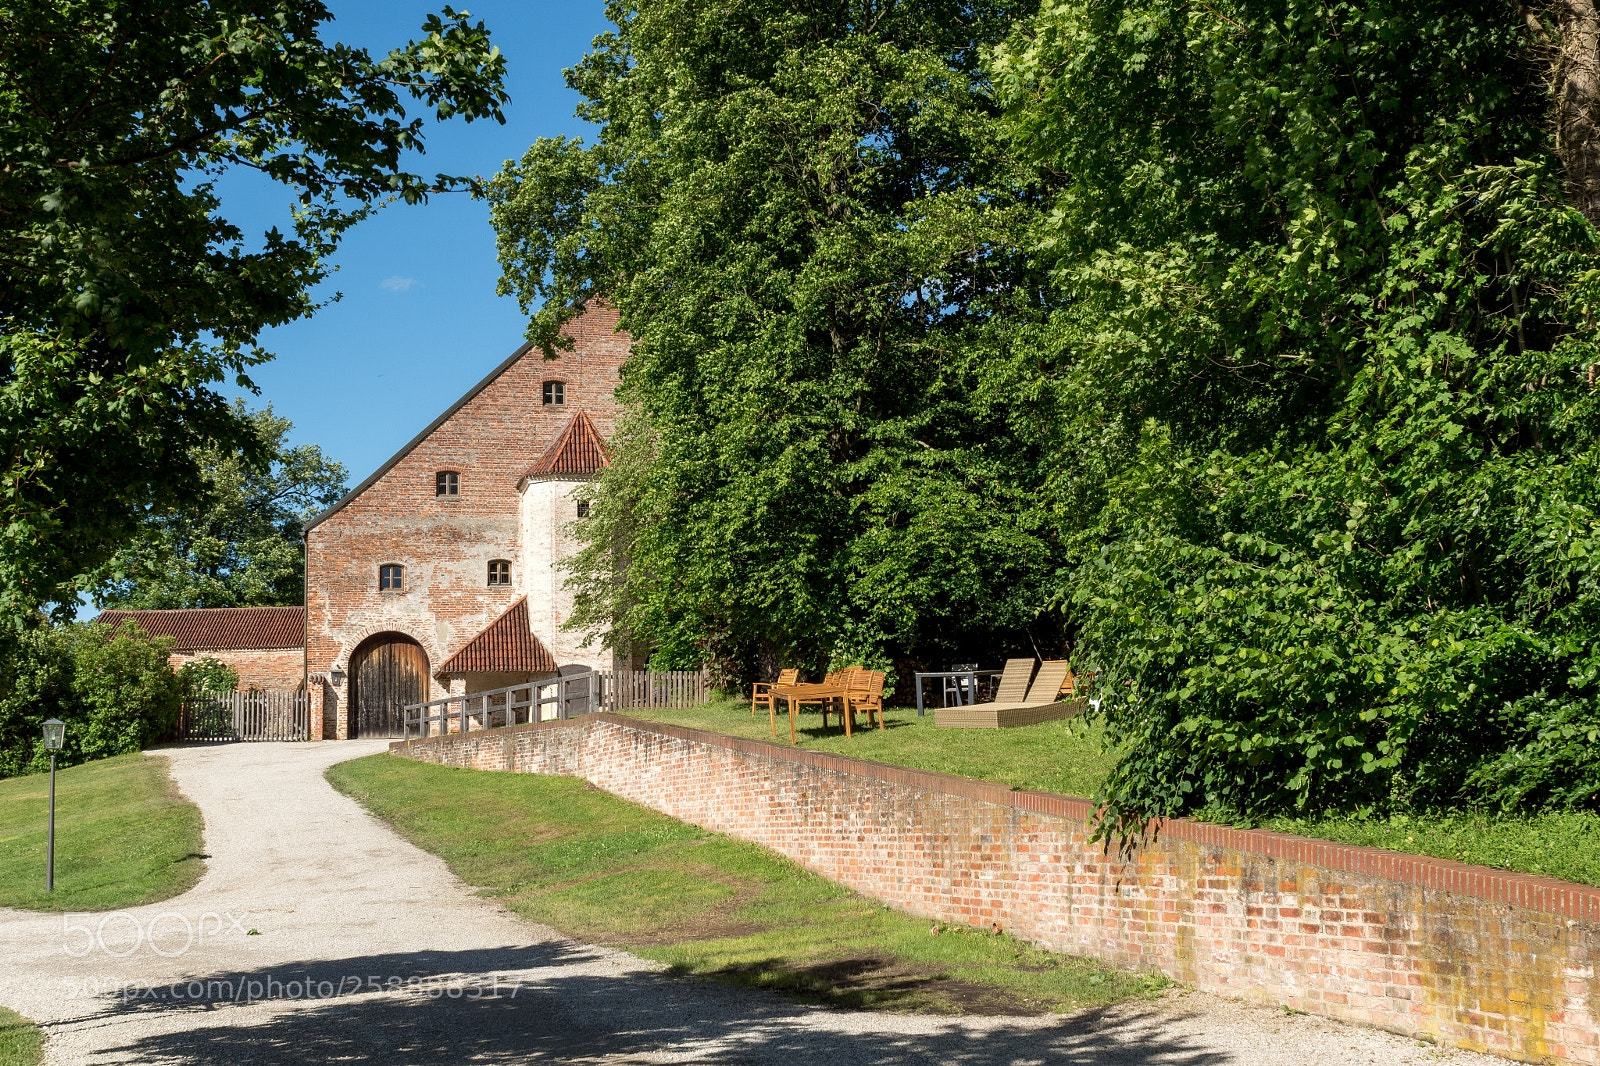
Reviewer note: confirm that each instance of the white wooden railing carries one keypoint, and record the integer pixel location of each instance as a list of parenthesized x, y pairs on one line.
[(535, 701), (556, 698)]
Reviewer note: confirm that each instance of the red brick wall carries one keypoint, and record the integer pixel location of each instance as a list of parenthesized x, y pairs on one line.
[(1462, 955), (445, 545), (269, 668)]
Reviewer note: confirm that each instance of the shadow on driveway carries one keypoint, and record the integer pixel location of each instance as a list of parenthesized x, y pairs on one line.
[(565, 1011)]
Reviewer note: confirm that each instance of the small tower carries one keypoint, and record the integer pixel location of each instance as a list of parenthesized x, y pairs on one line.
[(550, 508)]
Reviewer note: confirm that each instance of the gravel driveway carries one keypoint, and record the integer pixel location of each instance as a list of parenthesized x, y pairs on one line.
[(318, 936)]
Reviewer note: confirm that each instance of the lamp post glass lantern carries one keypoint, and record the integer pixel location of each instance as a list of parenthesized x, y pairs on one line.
[(55, 735)]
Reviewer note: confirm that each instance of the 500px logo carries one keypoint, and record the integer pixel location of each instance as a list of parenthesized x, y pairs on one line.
[(169, 934)]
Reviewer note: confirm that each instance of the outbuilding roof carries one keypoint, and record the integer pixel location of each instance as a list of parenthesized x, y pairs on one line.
[(579, 451), (506, 645), (219, 628)]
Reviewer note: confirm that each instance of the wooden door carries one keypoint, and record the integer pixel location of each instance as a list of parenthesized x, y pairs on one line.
[(388, 675)]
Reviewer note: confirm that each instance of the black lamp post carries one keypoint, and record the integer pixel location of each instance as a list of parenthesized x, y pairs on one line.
[(55, 734)]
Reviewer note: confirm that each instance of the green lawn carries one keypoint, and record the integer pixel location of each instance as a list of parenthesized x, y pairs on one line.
[(1562, 844), (124, 836), (559, 851), (21, 1042), (1069, 757), (1064, 756)]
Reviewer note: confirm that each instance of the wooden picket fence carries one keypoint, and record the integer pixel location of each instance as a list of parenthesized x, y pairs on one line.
[(622, 689), (255, 715)]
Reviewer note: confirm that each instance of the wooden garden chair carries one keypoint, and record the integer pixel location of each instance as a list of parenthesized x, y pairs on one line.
[(865, 694), (1077, 681), (832, 690), (761, 691), (839, 681)]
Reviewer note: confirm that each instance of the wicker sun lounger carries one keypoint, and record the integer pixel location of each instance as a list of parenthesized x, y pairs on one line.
[(1013, 687), (1043, 703)]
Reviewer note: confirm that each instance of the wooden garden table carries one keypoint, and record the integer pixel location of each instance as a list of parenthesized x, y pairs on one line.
[(805, 693)]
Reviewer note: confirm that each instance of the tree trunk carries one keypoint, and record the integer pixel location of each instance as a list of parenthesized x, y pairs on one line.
[(1577, 93)]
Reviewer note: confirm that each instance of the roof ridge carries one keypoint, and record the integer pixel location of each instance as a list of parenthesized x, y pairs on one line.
[(177, 610), (506, 644), (581, 310), (411, 445)]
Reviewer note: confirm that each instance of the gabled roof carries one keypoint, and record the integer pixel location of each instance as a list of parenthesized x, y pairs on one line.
[(579, 451), (219, 628), (506, 645), (418, 439)]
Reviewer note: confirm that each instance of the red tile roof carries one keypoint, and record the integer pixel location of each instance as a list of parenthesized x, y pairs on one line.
[(506, 645), (219, 628), (578, 452)]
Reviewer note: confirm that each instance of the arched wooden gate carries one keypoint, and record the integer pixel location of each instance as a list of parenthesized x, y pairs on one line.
[(387, 672)]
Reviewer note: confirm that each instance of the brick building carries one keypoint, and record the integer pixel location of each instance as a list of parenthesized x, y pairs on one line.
[(266, 645), (439, 573)]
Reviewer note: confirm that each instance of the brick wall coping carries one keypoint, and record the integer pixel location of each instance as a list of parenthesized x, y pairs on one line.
[(1545, 894)]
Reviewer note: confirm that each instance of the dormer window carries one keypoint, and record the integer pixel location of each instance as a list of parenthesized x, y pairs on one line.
[(499, 572), (391, 577), (447, 483), (555, 393)]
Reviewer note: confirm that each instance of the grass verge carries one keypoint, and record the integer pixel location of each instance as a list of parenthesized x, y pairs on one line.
[(124, 836), (1066, 756), (21, 1042), (1564, 844), (602, 870), (1071, 757)]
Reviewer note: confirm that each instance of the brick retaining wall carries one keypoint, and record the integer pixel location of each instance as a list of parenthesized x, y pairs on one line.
[(1463, 955)]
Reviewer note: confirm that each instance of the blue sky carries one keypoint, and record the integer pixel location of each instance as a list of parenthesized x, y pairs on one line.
[(419, 321)]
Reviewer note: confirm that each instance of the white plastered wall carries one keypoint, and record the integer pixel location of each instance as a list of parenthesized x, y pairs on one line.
[(549, 509)]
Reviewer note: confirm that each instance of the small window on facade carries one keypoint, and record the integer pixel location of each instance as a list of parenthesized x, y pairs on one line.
[(499, 572), (583, 508), (391, 576), (555, 392), (447, 483)]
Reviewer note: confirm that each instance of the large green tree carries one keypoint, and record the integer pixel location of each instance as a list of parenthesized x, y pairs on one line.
[(1323, 393), (126, 296), (240, 545), (808, 220)]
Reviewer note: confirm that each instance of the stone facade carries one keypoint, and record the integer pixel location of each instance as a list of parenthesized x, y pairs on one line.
[(445, 544), (1461, 955)]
